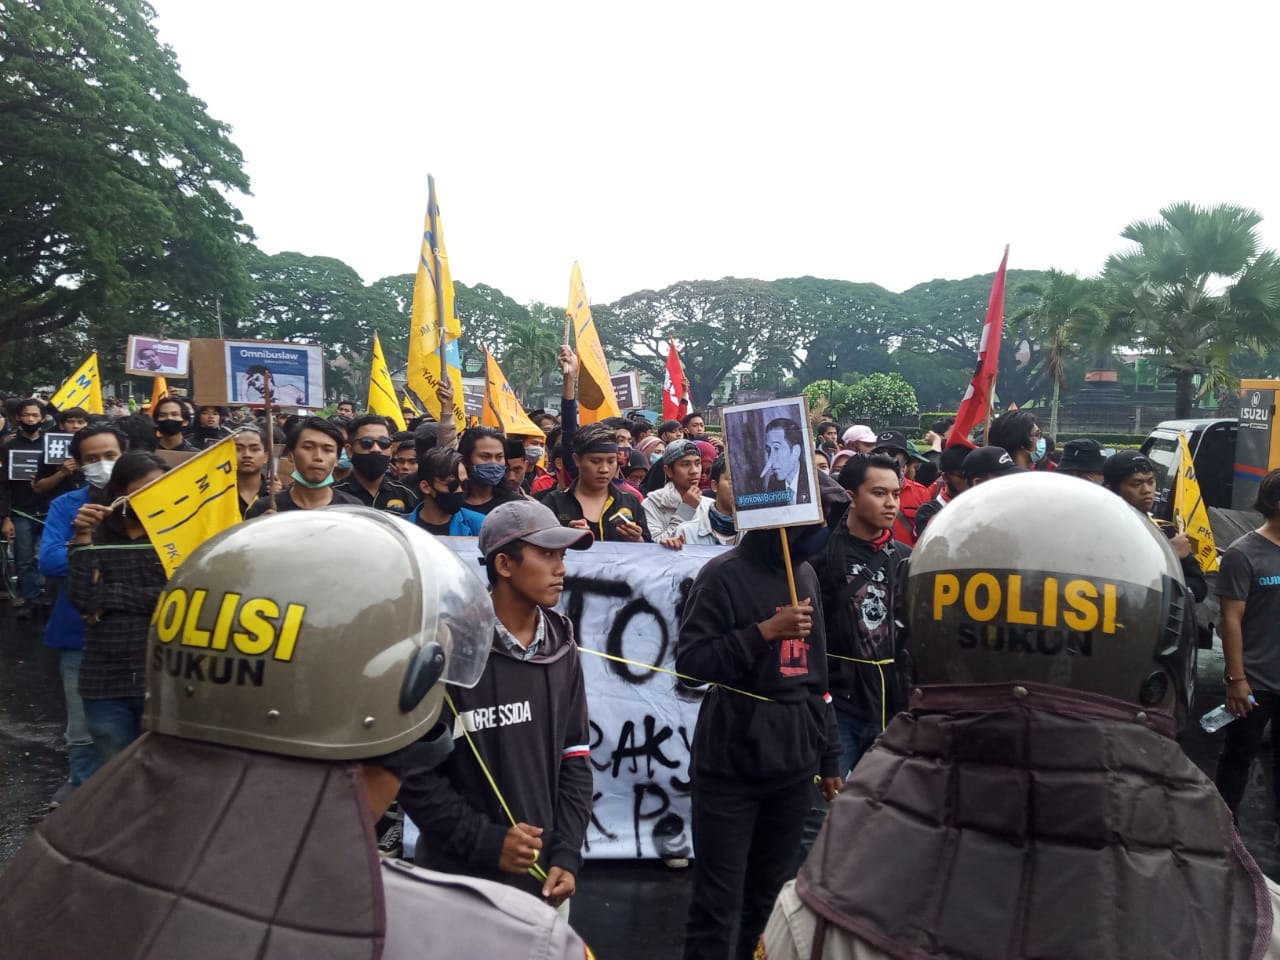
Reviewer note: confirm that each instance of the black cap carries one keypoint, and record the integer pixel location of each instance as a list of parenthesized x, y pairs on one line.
[(1082, 456), (668, 426), (989, 462), (952, 459), (894, 440), (1122, 464)]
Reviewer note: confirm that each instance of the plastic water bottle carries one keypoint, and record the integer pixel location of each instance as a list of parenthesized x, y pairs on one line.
[(1219, 717)]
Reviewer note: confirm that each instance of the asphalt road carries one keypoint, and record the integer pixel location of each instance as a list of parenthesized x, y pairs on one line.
[(625, 909)]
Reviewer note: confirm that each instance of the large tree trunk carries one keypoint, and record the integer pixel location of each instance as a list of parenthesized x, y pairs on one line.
[(1053, 410), (1185, 395)]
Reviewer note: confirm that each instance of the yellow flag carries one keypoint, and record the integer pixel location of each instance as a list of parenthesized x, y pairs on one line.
[(595, 392), (501, 407), (1190, 511), (159, 390), (84, 389), (190, 503), (432, 317), (382, 393), (409, 405)]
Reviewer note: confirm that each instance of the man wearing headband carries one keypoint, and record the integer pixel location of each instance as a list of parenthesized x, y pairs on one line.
[(681, 500), (592, 502)]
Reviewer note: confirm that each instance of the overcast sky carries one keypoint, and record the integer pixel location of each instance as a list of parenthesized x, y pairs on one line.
[(890, 142)]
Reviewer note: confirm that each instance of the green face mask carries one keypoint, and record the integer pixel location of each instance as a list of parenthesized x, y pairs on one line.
[(299, 478)]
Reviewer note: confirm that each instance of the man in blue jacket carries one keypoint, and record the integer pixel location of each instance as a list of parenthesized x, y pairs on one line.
[(95, 449)]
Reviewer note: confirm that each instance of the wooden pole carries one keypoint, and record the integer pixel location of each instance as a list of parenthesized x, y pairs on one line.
[(268, 422), (786, 559)]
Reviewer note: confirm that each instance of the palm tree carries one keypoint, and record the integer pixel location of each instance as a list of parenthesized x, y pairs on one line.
[(1064, 316), (1199, 289), (531, 350)]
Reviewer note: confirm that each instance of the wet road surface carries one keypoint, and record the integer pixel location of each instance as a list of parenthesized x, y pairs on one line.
[(624, 909)]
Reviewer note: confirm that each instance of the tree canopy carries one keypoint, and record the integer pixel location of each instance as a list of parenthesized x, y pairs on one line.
[(115, 183)]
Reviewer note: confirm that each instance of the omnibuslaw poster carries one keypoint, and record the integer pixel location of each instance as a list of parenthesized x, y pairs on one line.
[(292, 374)]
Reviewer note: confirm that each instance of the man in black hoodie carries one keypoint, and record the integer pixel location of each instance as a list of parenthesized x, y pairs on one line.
[(863, 580), (763, 733), (525, 724)]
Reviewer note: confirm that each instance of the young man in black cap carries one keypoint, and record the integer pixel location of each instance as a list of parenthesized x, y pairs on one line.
[(1082, 458), (954, 483), (1131, 476), (893, 443), (680, 500), (988, 463), (525, 723)]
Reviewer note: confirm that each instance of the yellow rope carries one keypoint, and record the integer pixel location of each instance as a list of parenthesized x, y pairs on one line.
[(656, 669), (535, 870), (879, 665)]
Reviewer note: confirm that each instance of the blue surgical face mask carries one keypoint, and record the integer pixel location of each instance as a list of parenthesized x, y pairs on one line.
[(344, 461), (1038, 453), (487, 474), (655, 457)]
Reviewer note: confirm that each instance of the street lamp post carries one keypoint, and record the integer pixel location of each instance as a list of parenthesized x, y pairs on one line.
[(831, 376)]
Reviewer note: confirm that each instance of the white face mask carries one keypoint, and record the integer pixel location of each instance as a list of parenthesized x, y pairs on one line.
[(98, 473)]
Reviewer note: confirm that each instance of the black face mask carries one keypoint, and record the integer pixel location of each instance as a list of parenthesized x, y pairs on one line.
[(29, 429), (370, 465), (450, 503), (169, 428)]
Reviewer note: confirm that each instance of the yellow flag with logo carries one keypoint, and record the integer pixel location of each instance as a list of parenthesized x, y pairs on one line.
[(434, 318), (502, 409), (595, 391), (84, 389), (409, 406), (159, 390), (186, 506), (382, 392), (1190, 511)]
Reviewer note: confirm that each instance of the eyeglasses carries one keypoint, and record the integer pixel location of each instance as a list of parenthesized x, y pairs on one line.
[(453, 484), (367, 443)]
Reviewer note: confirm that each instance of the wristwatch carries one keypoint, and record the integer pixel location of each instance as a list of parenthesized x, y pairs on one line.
[(1228, 678)]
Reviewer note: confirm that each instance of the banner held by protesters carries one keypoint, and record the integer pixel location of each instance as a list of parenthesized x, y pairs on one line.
[(82, 389)]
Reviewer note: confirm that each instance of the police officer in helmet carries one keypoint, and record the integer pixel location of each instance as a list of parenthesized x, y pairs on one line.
[(1032, 801), (282, 717)]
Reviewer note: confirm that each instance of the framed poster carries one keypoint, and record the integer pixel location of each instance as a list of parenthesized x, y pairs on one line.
[(57, 447), (292, 373), (770, 453), (23, 464), (626, 389), (153, 357)]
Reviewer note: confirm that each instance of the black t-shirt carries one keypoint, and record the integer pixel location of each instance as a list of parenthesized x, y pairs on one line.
[(73, 481), (285, 502), (1250, 571), (439, 529)]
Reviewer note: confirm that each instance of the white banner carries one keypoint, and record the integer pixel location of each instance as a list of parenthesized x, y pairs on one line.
[(625, 600)]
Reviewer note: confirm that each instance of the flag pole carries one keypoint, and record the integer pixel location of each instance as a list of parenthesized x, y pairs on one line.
[(269, 428), (437, 279)]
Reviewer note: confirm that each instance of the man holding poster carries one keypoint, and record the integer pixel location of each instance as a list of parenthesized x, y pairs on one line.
[(767, 728)]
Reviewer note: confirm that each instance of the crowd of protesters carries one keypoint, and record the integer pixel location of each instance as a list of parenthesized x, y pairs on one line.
[(80, 552)]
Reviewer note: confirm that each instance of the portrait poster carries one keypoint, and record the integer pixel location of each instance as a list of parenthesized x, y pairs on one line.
[(770, 452), (293, 373), (154, 357)]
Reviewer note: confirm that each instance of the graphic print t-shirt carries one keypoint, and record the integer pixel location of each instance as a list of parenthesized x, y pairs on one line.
[(1250, 571)]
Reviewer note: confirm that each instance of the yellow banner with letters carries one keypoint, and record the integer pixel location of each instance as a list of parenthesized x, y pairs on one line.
[(502, 408), (434, 316), (596, 399), (82, 389), (1190, 512), (186, 506), (382, 392)]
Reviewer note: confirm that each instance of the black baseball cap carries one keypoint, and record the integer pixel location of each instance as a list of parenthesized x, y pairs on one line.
[(896, 440), (1122, 464), (952, 459), (989, 462), (1082, 456)]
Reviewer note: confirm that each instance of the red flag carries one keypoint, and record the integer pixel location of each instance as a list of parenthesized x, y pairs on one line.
[(675, 388), (976, 405)]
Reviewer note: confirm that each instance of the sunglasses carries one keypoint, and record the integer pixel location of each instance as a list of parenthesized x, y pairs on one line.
[(367, 443), (453, 484)]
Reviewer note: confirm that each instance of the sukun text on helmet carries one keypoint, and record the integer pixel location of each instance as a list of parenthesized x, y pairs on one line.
[(232, 641)]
